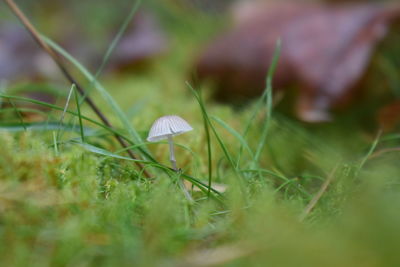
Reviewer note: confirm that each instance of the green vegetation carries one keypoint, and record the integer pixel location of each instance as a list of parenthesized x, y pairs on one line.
[(296, 195)]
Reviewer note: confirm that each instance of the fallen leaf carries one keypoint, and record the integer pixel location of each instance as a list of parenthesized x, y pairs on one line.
[(326, 50)]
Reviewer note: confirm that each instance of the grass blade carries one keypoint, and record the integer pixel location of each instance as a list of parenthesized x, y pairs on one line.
[(18, 113), (268, 102), (43, 126), (236, 134), (228, 156), (106, 153), (55, 143), (209, 153), (65, 110), (370, 151), (207, 118), (78, 108)]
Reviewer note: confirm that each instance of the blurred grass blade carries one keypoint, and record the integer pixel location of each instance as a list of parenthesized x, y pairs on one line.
[(256, 110), (55, 143), (78, 108), (27, 110), (228, 156), (209, 151), (106, 153), (3, 86), (35, 87), (43, 126), (202, 186), (236, 134), (18, 113), (369, 153), (65, 110), (280, 176), (207, 118), (268, 102)]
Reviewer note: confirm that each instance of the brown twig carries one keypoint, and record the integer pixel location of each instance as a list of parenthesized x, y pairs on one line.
[(57, 59), (321, 191)]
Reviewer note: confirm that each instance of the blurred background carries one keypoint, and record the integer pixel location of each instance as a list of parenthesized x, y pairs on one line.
[(338, 59)]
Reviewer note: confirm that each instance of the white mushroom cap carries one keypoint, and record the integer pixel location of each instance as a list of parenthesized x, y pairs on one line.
[(167, 126)]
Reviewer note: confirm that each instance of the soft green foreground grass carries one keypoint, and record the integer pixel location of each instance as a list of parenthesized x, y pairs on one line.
[(77, 208), (296, 195)]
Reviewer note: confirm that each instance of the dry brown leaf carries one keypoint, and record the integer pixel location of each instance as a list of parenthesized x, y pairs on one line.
[(325, 51)]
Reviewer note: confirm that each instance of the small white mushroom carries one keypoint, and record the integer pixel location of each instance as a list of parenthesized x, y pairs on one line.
[(165, 128)]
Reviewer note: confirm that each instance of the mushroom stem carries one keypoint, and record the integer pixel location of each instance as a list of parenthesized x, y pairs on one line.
[(173, 162), (172, 153)]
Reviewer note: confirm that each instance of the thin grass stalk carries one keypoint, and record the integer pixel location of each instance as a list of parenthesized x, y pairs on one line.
[(321, 191), (268, 102), (228, 156), (18, 113), (78, 108), (209, 153), (55, 143), (64, 111), (370, 152)]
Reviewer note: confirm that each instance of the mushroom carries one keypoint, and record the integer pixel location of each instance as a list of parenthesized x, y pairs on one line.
[(165, 128)]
